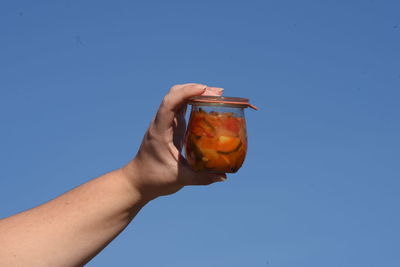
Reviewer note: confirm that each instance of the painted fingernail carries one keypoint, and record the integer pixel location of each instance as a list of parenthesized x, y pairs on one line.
[(219, 179), (203, 88)]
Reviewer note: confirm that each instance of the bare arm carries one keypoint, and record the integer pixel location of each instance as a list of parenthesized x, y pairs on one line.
[(74, 227)]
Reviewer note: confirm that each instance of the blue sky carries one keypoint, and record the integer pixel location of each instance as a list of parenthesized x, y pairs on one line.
[(80, 81)]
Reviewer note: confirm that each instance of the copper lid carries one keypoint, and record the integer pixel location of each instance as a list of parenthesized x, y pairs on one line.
[(222, 100)]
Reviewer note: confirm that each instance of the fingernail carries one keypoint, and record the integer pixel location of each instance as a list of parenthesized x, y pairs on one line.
[(219, 179)]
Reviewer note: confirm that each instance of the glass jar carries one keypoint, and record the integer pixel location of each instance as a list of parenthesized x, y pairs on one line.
[(216, 138)]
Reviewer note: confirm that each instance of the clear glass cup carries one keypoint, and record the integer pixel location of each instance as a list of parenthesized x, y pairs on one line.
[(216, 138)]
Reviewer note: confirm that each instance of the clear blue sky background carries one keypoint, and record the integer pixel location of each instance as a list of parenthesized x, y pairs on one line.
[(80, 81)]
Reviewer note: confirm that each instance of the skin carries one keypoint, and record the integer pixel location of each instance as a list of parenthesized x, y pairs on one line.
[(72, 228)]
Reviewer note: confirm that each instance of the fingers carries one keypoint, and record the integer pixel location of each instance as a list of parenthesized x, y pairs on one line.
[(179, 128), (190, 177), (173, 101), (205, 178)]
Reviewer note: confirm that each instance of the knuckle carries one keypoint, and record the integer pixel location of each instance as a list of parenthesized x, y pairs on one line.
[(166, 101), (175, 88)]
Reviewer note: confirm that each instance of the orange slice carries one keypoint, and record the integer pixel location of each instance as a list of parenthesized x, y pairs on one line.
[(227, 144), (207, 143)]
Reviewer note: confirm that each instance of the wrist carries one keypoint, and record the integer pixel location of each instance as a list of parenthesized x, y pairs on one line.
[(135, 179)]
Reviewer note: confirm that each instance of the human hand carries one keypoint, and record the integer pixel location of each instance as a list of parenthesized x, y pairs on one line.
[(159, 167)]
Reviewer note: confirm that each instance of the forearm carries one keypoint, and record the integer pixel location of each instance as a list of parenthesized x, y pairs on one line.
[(73, 228)]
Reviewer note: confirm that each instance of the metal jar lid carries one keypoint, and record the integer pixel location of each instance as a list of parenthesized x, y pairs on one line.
[(237, 102)]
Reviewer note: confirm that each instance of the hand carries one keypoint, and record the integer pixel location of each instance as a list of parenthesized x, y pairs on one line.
[(159, 167)]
